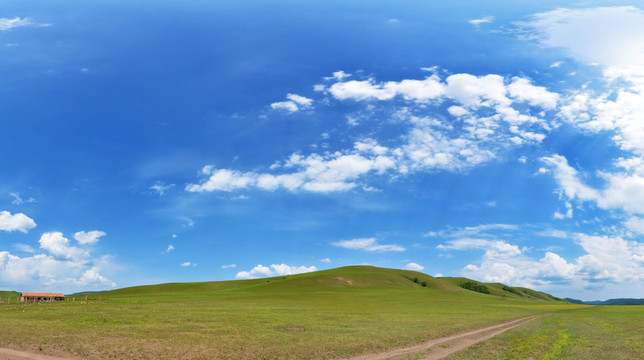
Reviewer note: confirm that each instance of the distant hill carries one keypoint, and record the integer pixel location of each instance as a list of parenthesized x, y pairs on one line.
[(625, 301), (350, 278), (85, 293), (5, 293)]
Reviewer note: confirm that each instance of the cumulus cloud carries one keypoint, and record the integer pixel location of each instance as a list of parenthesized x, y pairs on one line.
[(88, 237), (18, 222), (486, 124), (187, 264), (229, 266), (612, 38), (418, 90), (169, 249), (617, 34), (605, 261), (368, 244), (315, 173), (413, 266), (261, 271), (59, 266), (294, 103)]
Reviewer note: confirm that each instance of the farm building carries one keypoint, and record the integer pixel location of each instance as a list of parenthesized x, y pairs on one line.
[(38, 297)]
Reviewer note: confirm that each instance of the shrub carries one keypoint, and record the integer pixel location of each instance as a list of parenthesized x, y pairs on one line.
[(512, 290), (424, 283), (473, 286)]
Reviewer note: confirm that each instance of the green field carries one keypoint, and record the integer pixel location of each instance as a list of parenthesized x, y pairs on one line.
[(600, 332), (323, 315)]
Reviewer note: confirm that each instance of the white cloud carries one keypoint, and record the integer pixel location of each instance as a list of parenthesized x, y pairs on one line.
[(222, 179), (8, 24), (229, 266), (19, 222), (623, 190), (325, 260), (58, 246), (607, 263), (92, 277), (418, 90), (368, 244), (187, 264), (88, 237), (17, 200), (635, 224), (414, 267), (160, 188), (294, 103), (340, 75), (567, 215), (62, 268), (24, 248), (483, 20), (523, 90), (260, 271), (169, 249), (482, 105), (611, 36)]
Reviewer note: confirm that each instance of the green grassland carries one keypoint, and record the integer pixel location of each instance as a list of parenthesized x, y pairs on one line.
[(599, 332), (328, 314)]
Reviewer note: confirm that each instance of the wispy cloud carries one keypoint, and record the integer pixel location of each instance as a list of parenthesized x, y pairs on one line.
[(169, 249), (160, 188), (8, 24), (483, 20), (368, 244)]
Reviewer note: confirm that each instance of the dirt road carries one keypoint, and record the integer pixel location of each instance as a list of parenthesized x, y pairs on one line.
[(443, 347), (9, 354)]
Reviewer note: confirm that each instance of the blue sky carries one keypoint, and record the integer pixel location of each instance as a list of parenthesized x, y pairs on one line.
[(159, 142)]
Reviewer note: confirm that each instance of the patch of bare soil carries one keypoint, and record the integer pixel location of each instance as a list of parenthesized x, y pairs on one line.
[(9, 354), (443, 347)]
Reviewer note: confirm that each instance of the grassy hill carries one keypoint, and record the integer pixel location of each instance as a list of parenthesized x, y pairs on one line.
[(498, 289), (5, 293), (327, 314), (344, 279)]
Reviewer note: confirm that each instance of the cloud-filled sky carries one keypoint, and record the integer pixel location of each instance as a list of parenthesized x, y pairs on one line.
[(152, 142)]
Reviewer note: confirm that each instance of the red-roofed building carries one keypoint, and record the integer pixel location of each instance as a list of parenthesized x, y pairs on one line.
[(38, 297)]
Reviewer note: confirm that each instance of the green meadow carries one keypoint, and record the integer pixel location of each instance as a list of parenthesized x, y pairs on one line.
[(599, 332), (328, 314)]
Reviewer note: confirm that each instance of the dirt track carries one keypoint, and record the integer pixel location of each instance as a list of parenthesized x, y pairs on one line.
[(430, 350), (8, 354), (443, 347)]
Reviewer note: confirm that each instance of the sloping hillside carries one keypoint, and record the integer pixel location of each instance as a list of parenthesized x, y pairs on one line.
[(344, 279)]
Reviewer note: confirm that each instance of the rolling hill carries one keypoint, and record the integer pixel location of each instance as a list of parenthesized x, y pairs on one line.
[(328, 314), (347, 279)]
